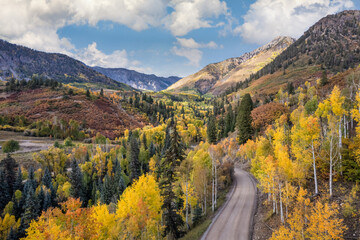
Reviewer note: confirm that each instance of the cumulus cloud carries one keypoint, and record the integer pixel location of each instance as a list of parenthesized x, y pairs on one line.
[(191, 43), (267, 19), (192, 54), (189, 48), (34, 23), (194, 14)]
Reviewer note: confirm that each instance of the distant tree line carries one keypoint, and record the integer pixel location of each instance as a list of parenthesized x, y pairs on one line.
[(14, 85)]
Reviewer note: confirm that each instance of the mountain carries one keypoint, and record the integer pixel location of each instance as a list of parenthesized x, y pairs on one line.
[(331, 46), (217, 77), (22, 63), (138, 80)]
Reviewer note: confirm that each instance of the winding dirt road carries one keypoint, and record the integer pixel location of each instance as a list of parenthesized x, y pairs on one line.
[(234, 220)]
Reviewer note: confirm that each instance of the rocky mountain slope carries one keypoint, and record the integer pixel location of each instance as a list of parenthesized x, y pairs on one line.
[(332, 45), (138, 80), (22, 62), (216, 78)]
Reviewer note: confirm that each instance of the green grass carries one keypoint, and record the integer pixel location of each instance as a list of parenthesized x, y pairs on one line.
[(197, 231)]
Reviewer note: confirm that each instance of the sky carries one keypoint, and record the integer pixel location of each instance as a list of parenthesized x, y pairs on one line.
[(162, 37)]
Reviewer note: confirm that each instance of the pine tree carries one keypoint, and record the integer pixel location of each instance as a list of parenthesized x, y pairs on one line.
[(31, 178), (87, 93), (221, 128), (135, 166), (46, 180), (101, 92), (12, 235), (211, 130), (41, 200), (172, 159), (108, 190), (324, 79), (5, 196), (18, 183), (76, 180), (47, 201), (144, 141), (9, 165), (152, 150), (244, 120), (229, 121), (30, 213)]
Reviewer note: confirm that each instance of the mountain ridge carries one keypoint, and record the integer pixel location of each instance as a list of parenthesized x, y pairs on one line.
[(136, 79), (216, 77), (22, 62)]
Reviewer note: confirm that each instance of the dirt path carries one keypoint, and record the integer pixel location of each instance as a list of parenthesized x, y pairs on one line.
[(235, 219)]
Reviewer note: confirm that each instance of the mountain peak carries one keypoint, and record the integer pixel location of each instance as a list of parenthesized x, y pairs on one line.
[(217, 77)]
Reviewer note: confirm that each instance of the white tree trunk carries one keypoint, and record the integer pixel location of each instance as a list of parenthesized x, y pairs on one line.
[(314, 167), (281, 206), (331, 166), (187, 206)]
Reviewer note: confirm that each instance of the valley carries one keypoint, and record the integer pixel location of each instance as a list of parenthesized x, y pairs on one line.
[(261, 146)]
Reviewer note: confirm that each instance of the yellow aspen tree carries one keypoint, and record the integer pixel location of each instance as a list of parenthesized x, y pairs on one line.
[(305, 136), (138, 214), (332, 110), (323, 223)]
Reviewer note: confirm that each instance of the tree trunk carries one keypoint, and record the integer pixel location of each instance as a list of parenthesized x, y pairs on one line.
[(314, 167), (187, 206), (340, 145), (331, 166), (281, 206)]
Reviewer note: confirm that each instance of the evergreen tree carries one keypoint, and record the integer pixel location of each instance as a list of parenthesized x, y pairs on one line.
[(76, 180), (229, 121), (30, 213), (244, 120), (221, 128), (290, 88), (18, 183), (144, 141), (5, 196), (108, 190), (53, 196), (9, 165), (135, 165), (101, 92), (197, 215), (172, 159), (31, 178), (47, 201), (46, 180), (41, 200), (12, 235), (324, 79), (152, 150), (211, 130), (87, 93)]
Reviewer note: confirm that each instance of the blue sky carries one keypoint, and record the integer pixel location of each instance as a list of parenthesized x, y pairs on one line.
[(164, 37)]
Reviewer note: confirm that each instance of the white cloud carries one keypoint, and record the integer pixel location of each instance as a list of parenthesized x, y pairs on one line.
[(94, 57), (35, 23), (189, 49), (267, 19), (189, 15), (192, 54), (191, 43)]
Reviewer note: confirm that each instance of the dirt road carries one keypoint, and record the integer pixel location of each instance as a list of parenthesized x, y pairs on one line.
[(235, 219)]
